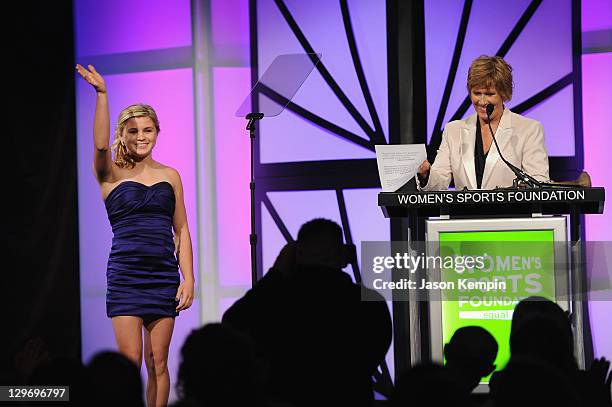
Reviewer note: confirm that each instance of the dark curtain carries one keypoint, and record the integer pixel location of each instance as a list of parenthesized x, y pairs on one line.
[(41, 269)]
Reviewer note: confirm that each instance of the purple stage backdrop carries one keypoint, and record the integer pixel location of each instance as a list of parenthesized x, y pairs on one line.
[(597, 108), (118, 26), (597, 88), (201, 73)]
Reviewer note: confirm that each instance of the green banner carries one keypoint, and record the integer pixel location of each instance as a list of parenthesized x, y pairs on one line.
[(512, 265)]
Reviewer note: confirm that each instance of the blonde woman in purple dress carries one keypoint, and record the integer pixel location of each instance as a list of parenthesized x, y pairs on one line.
[(151, 241)]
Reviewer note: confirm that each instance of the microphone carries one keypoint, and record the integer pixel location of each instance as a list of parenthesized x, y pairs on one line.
[(520, 174)]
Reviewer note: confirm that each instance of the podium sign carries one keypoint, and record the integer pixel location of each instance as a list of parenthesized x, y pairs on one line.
[(519, 258), (422, 327), (498, 202)]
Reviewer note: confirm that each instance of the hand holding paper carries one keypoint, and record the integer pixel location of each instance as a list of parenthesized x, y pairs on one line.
[(398, 164)]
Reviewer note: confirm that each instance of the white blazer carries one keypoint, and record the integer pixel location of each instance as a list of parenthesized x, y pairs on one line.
[(521, 141)]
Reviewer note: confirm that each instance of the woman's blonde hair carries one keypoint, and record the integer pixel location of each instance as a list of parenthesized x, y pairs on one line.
[(491, 72), (122, 157)]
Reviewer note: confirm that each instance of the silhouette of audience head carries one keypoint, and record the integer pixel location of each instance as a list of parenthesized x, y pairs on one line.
[(113, 379), (471, 354), (540, 328), (427, 384), (320, 243), (539, 307), (218, 367), (528, 382)]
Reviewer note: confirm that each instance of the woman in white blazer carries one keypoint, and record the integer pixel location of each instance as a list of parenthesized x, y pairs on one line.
[(467, 154)]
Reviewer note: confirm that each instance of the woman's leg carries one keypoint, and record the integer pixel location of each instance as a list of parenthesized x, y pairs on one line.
[(128, 335), (150, 365), (157, 335)]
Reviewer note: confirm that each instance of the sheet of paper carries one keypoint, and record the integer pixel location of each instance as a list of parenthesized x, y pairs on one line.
[(398, 164)]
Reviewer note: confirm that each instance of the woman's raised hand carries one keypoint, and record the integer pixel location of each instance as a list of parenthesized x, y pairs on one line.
[(93, 77)]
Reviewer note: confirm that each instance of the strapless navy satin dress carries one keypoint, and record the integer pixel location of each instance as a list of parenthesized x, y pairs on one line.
[(142, 273)]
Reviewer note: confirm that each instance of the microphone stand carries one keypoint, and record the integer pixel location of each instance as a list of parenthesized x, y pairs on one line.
[(252, 119), (521, 176)]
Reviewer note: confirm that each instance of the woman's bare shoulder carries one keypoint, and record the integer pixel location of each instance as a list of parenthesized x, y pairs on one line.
[(170, 173)]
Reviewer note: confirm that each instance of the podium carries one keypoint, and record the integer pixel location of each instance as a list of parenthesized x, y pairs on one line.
[(430, 217)]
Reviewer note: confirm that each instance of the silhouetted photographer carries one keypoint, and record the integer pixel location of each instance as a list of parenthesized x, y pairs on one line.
[(321, 342)]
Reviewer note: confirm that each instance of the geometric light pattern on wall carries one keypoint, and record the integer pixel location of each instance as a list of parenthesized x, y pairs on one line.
[(340, 111), (534, 36)]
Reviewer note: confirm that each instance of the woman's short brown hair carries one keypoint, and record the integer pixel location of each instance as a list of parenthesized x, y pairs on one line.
[(491, 72)]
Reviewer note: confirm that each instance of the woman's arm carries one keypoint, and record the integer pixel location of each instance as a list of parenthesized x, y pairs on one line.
[(184, 251), (102, 162), (440, 173), (535, 156)]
